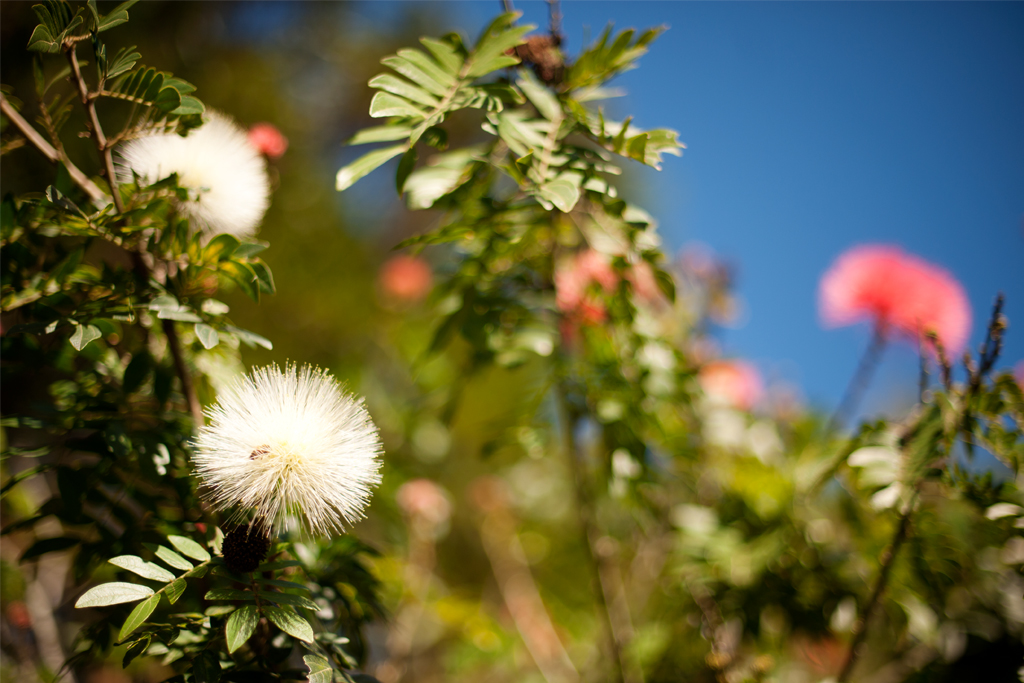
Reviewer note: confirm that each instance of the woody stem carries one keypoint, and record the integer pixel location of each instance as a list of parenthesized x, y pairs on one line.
[(860, 380)]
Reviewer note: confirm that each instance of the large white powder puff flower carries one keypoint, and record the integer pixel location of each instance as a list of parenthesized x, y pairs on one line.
[(292, 447), (224, 174)]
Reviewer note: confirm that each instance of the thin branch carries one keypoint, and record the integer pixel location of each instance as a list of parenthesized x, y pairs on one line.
[(585, 506), (97, 129), (521, 595), (859, 383), (98, 196), (860, 629), (187, 388), (555, 17)]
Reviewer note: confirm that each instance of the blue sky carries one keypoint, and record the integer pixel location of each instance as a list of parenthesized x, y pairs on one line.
[(812, 127)]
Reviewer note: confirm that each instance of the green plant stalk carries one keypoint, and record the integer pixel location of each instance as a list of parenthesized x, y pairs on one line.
[(860, 628), (585, 506), (97, 129), (173, 341), (50, 152)]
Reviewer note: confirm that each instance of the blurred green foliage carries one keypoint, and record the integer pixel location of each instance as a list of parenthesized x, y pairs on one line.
[(589, 511)]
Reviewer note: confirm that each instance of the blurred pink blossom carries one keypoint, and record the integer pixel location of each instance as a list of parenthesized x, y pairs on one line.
[(268, 140), (575, 276), (897, 292), (405, 277), (1018, 373), (734, 382), (425, 501)]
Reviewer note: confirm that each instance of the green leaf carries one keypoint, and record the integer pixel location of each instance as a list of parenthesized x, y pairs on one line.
[(220, 248), (264, 278), (249, 249), (320, 670), (189, 106), (405, 167), (42, 40), (364, 164), (385, 104), (290, 599), (230, 594), (189, 547), (489, 54), (240, 626), (174, 590), (117, 16), (139, 566), (561, 192), (243, 274), (291, 623), (207, 336), (277, 564), (438, 83), (135, 650), (113, 594), (402, 87), (381, 134), (446, 56), (542, 98), (206, 667), (138, 616), (172, 558), (136, 372), (249, 338), (123, 61)]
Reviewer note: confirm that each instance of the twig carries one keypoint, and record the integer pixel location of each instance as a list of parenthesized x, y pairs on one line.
[(585, 506), (97, 129), (97, 195), (187, 388), (520, 593), (860, 628), (555, 18), (855, 391), (506, 6)]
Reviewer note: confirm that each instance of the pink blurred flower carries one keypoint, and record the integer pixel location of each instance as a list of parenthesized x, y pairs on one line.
[(268, 140), (405, 277), (734, 382), (645, 285), (897, 292), (1018, 373), (424, 501), (574, 278)]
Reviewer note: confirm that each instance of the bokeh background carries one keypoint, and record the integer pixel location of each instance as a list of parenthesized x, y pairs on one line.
[(811, 127)]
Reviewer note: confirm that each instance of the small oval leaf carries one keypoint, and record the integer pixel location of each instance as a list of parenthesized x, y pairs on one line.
[(138, 616), (240, 626), (139, 566), (290, 622), (113, 594), (189, 547)]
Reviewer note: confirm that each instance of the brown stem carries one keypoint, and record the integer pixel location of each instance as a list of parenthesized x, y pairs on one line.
[(520, 593), (861, 378), (97, 129), (97, 195), (591, 537), (555, 16), (187, 388), (860, 628)]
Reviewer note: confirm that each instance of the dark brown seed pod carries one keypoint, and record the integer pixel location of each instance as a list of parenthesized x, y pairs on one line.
[(245, 547)]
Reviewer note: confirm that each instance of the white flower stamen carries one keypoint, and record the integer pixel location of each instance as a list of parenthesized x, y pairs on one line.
[(292, 447), (225, 176)]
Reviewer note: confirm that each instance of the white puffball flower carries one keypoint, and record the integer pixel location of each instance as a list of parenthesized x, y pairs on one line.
[(225, 176), (291, 446)]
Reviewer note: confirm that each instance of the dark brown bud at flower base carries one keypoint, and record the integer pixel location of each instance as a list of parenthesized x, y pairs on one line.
[(245, 547)]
